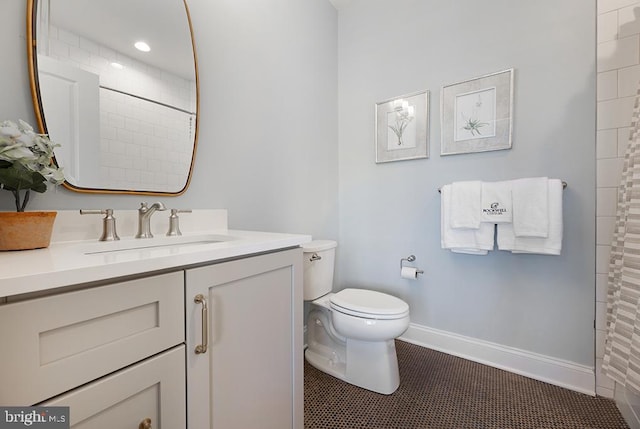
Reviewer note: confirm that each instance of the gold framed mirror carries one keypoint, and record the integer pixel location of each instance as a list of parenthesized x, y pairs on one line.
[(126, 118)]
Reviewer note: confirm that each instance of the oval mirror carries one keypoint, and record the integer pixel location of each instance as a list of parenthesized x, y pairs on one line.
[(115, 83)]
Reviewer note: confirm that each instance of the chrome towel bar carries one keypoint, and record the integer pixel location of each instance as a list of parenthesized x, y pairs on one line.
[(564, 186)]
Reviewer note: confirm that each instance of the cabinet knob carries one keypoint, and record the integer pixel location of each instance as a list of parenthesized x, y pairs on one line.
[(145, 424)]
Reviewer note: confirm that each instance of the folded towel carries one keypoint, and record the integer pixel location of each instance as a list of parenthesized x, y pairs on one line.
[(465, 204), (552, 245), (496, 202), (530, 207), (472, 241)]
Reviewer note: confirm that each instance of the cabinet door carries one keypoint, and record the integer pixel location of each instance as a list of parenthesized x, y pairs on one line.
[(251, 374), (53, 344), (153, 389)]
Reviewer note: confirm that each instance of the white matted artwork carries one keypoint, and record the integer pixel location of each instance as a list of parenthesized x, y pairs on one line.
[(476, 115), (401, 130)]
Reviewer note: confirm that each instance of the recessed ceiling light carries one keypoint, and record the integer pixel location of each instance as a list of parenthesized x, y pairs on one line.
[(117, 66), (142, 46)]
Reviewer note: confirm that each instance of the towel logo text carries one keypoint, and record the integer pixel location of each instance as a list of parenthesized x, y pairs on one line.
[(495, 210)]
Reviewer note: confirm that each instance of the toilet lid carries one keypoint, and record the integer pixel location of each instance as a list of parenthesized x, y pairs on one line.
[(369, 303)]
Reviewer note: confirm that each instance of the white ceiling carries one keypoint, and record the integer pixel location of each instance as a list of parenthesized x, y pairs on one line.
[(118, 24)]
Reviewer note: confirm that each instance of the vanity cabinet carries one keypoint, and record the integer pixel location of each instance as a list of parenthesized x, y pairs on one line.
[(54, 344), (250, 375), (122, 352)]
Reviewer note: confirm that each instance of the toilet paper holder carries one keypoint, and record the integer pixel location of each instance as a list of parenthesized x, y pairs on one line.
[(409, 258)]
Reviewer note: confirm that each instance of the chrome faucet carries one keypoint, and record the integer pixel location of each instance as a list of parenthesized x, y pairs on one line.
[(144, 218)]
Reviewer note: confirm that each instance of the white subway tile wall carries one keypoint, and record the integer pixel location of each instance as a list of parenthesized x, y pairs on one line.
[(616, 54), (149, 144), (617, 83), (140, 141), (607, 85), (611, 113), (607, 143)]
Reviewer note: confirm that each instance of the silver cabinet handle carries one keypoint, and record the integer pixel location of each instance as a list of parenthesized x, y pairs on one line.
[(202, 348), (145, 424)]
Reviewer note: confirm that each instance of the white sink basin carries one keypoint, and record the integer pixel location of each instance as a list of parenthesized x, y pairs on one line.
[(129, 244)]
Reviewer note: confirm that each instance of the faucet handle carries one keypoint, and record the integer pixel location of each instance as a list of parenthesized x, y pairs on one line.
[(108, 224), (157, 206), (174, 222)]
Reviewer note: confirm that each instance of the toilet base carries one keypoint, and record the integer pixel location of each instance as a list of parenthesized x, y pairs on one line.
[(372, 365), (379, 374), (326, 364)]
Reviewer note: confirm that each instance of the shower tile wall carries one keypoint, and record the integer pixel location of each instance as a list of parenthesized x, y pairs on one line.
[(137, 147), (618, 77), (143, 145)]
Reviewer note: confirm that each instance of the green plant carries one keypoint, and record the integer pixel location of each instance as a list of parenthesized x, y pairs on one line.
[(474, 125), (26, 162)]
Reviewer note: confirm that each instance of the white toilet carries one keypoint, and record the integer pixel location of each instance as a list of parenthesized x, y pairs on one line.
[(350, 334)]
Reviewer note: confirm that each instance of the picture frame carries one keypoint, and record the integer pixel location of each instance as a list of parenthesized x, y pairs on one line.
[(402, 128), (476, 115)]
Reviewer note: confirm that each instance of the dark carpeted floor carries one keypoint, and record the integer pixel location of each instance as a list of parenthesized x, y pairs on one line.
[(439, 391)]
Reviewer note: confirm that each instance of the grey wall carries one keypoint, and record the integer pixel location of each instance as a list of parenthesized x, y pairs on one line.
[(543, 304), (268, 130)]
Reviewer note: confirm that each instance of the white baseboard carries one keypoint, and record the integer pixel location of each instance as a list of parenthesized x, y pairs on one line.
[(570, 375)]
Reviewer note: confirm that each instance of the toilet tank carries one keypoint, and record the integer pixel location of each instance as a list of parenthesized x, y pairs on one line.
[(319, 259)]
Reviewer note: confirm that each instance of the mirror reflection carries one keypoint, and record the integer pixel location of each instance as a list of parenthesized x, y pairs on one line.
[(116, 81)]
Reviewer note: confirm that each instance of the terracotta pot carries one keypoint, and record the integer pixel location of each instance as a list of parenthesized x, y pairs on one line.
[(25, 230)]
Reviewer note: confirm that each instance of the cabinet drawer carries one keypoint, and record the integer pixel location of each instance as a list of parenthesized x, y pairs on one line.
[(153, 389), (53, 344)]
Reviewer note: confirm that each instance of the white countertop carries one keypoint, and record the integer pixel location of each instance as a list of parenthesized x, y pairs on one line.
[(71, 262)]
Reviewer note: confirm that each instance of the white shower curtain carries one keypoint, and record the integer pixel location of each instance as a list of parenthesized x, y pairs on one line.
[(622, 348)]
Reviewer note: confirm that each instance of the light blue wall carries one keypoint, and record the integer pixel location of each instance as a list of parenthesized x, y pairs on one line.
[(542, 304), (268, 130), (269, 81)]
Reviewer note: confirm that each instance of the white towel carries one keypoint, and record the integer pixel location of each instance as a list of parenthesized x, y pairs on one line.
[(465, 204), (472, 241), (552, 245), (496, 202), (531, 207)]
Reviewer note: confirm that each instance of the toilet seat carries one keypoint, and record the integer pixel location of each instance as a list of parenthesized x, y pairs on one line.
[(369, 304)]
